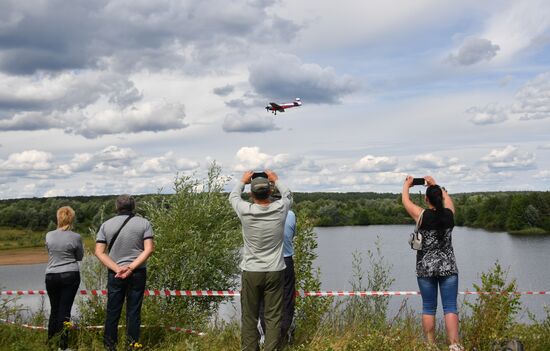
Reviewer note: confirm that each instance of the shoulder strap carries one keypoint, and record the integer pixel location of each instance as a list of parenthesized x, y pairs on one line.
[(419, 223), (119, 229)]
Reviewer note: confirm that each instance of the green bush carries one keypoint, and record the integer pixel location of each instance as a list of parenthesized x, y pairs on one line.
[(492, 315), (309, 310), (197, 243)]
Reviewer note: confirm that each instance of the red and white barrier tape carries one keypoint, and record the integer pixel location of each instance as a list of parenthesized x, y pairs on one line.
[(95, 327), (226, 293)]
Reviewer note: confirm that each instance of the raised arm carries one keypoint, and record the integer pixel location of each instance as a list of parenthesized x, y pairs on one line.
[(286, 195), (235, 196), (412, 209)]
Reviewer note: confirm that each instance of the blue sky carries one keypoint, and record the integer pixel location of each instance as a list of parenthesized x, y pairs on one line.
[(104, 97)]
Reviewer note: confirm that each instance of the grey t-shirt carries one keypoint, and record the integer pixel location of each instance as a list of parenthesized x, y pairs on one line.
[(129, 243), (64, 250), (263, 230)]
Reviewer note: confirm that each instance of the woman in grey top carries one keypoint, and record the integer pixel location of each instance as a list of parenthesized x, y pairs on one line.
[(62, 273)]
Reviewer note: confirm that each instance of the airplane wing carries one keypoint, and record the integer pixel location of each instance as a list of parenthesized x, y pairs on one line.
[(276, 107)]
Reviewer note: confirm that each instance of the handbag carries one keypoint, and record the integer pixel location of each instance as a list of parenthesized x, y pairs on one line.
[(415, 240)]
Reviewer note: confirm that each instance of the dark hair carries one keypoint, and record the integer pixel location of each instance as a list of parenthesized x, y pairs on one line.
[(261, 195), (125, 203), (435, 196)]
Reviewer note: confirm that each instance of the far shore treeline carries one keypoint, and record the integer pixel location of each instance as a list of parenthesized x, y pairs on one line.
[(514, 212)]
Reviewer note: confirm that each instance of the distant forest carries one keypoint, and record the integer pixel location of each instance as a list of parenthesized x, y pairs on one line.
[(515, 212)]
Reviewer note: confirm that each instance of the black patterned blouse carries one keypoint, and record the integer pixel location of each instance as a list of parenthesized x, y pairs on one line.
[(437, 257)]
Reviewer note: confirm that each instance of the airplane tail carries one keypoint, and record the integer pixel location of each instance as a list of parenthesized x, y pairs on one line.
[(298, 102)]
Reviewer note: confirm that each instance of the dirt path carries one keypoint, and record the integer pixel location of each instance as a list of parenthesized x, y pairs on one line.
[(23, 256)]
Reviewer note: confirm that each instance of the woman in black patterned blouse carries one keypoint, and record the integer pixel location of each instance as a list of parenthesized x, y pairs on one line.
[(435, 263)]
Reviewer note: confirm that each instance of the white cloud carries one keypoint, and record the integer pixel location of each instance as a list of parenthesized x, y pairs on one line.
[(166, 164), (473, 50), (89, 103), (432, 161), (371, 163), (29, 160), (148, 116), (543, 175), (517, 26), (490, 114), (251, 158), (509, 157), (111, 158), (533, 100), (544, 147)]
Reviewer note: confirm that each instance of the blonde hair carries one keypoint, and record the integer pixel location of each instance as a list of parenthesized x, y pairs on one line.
[(65, 216)]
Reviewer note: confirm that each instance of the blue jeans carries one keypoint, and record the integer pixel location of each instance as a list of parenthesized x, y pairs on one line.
[(448, 286), (132, 289)]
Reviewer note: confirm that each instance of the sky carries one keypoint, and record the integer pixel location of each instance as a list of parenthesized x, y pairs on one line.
[(122, 96)]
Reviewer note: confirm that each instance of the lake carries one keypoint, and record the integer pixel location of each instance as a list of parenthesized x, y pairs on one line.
[(526, 257)]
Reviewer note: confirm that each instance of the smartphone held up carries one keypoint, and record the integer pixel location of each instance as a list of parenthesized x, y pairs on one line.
[(419, 181)]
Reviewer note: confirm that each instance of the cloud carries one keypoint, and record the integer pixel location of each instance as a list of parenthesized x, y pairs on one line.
[(251, 158), (533, 100), (92, 122), (544, 147), (472, 51), (148, 116), (65, 91), (518, 26), (225, 90), (509, 158), (166, 164), (544, 175), (133, 35), (371, 163), (111, 158), (248, 123), (87, 103), (282, 76), (29, 160), (431, 161), (490, 114)]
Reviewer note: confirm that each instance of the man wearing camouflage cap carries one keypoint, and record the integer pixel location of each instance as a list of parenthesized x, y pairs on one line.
[(263, 265)]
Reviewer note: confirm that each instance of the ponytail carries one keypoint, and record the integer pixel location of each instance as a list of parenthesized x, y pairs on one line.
[(435, 196)]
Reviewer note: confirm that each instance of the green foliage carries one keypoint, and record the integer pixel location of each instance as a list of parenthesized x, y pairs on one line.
[(517, 212), (309, 311), (492, 315), (197, 240), (12, 238), (369, 311)]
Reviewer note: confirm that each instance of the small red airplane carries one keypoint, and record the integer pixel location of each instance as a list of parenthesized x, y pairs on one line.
[(274, 107)]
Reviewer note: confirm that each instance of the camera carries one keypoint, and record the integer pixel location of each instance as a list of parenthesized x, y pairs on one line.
[(419, 181), (257, 174)]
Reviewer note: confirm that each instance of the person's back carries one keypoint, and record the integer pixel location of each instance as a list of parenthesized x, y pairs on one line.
[(262, 263), (437, 256), (263, 234), (130, 242), (64, 251), (62, 273)]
